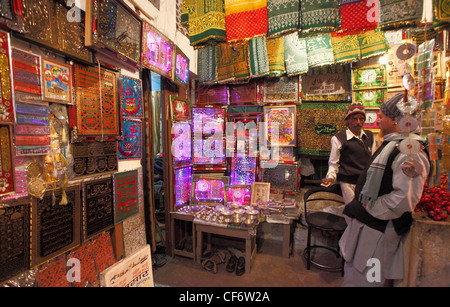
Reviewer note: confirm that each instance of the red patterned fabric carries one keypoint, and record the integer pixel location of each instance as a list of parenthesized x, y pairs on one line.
[(246, 24), (358, 15)]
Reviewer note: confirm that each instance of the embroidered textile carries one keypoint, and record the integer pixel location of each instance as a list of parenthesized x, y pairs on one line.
[(225, 71), (239, 54), (245, 19), (346, 48), (316, 125), (206, 64), (131, 145), (295, 56), (258, 57), (319, 50), (275, 51), (373, 43), (320, 16), (442, 9), (206, 21), (358, 15), (400, 12), (283, 16)]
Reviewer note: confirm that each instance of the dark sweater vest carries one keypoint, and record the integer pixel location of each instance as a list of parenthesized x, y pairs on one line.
[(354, 156), (355, 209)]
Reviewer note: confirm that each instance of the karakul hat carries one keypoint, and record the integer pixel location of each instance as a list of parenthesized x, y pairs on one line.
[(355, 108), (389, 107)]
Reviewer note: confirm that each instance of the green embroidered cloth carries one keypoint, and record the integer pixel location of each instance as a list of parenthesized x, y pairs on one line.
[(224, 63), (316, 125), (319, 50), (239, 54), (258, 57), (346, 48), (319, 16), (295, 56), (373, 43), (394, 13), (442, 10), (283, 16), (206, 20), (206, 64), (275, 52)]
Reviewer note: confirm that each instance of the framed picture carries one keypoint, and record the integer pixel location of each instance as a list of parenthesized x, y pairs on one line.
[(371, 119), (56, 82), (260, 192), (131, 97), (48, 215), (157, 51), (131, 146), (370, 98), (7, 174), (240, 194), (126, 195), (181, 67), (282, 89), (280, 125), (94, 158), (283, 177), (114, 30), (329, 83), (180, 108), (208, 189), (98, 206)]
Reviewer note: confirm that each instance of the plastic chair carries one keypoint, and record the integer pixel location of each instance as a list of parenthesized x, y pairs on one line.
[(326, 222)]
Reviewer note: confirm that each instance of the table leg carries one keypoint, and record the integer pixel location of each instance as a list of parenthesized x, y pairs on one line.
[(286, 240), (248, 255), (199, 246)]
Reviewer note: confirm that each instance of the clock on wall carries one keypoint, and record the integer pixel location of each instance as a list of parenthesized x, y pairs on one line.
[(371, 119), (369, 77), (370, 97)]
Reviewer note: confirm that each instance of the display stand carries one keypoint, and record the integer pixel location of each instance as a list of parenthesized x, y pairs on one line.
[(248, 234), (182, 227)]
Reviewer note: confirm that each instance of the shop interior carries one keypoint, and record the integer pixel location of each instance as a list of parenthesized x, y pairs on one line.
[(131, 134)]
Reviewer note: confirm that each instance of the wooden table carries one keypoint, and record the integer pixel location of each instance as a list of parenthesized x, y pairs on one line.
[(247, 234)]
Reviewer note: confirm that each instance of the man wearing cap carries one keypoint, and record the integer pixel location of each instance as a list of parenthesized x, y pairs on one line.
[(350, 152), (385, 195)]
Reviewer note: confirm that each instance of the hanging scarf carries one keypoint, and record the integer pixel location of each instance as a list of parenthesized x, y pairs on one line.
[(206, 64), (319, 50), (206, 21), (225, 71), (258, 58), (275, 52), (245, 19), (283, 16), (346, 49), (320, 16), (239, 54), (373, 43), (395, 13), (358, 15), (295, 56)]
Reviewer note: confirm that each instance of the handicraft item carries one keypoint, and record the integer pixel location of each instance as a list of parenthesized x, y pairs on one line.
[(126, 189), (7, 115), (283, 16), (280, 125), (131, 145), (94, 158), (208, 190), (56, 82), (56, 227), (131, 97), (283, 177)]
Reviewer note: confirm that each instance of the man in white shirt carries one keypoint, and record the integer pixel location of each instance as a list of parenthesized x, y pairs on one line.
[(350, 152)]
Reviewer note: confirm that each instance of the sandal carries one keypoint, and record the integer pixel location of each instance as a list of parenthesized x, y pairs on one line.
[(240, 266), (231, 265), (209, 265)]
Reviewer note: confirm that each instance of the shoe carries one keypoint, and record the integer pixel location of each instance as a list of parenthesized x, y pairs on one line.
[(240, 266), (231, 265)]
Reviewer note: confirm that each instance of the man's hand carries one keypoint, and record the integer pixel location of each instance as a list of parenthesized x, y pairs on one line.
[(326, 182)]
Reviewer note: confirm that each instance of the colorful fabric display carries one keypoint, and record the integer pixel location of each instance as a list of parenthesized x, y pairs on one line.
[(319, 50), (283, 16), (275, 52), (206, 21), (358, 15), (295, 56), (239, 53), (258, 57), (373, 43), (245, 19), (346, 48), (395, 13), (442, 10), (206, 64), (320, 16), (224, 62)]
